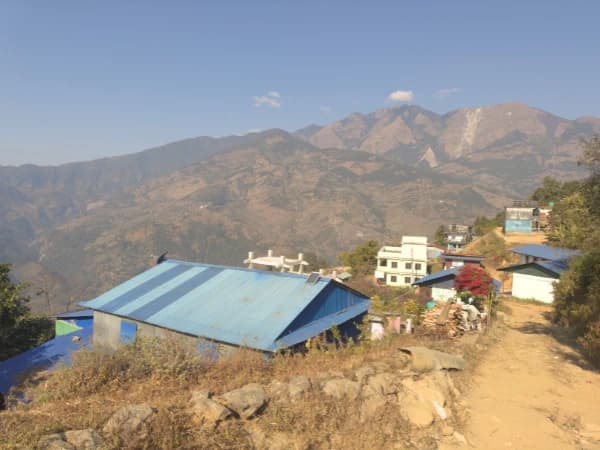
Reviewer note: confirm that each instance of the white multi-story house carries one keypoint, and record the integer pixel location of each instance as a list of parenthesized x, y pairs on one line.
[(402, 266)]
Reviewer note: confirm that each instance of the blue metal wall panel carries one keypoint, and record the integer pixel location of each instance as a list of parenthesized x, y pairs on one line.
[(333, 299), (518, 226)]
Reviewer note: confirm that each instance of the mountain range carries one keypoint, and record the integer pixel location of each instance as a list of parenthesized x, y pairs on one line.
[(77, 229)]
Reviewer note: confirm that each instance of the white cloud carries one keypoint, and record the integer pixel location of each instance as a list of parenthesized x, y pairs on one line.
[(272, 99), (325, 109), (446, 92), (401, 96)]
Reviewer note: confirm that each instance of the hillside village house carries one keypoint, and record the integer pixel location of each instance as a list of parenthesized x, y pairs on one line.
[(403, 265), (540, 266), (455, 260), (439, 286), (525, 217), (219, 308), (458, 236)]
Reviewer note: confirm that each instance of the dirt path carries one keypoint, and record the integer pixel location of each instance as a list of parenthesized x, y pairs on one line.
[(532, 391)]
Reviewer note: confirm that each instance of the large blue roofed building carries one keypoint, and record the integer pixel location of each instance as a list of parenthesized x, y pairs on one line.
[(226, 306)]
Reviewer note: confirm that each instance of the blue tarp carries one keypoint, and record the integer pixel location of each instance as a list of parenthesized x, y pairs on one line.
[(41, 357)]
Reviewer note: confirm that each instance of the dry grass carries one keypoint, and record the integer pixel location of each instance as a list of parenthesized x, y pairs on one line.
[(162, 373)]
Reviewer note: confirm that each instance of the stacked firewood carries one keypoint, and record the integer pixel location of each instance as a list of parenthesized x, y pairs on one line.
[(445, 320)]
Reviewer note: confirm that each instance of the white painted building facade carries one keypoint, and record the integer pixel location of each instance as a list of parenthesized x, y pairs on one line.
[(534, 287), (403, 265)]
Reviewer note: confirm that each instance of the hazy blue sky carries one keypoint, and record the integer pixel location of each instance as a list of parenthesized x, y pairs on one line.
[(85, 79)]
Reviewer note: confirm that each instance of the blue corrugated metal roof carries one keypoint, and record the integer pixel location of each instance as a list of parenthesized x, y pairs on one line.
[(227, 304), (437, 276), (469, 258), (84, 313), (41, 357), (554, 268), (444, 275), (558, 266), (545, 252)]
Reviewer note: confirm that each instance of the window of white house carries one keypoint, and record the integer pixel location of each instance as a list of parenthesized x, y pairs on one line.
[(393, 279), (383, 262), (407, 280), (408, 265), (394, 264), (417, 266)]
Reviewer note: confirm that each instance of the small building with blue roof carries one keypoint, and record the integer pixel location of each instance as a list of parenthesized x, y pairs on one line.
[(439, 286), (225, 307), (539, 268)]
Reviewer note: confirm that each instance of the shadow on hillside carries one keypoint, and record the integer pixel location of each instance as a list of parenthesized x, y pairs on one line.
[(563, 336)]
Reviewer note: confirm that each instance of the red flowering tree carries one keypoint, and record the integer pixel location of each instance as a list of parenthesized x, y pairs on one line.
[(473, 279)]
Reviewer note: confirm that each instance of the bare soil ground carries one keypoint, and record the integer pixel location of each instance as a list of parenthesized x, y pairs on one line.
[(533, 390)]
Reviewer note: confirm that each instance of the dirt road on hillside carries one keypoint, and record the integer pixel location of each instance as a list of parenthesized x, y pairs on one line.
[(532, 390)]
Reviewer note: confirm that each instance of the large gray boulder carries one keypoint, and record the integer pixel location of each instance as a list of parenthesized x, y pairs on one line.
[(129, 420), (207, 411), (341, 388), (246, 401)]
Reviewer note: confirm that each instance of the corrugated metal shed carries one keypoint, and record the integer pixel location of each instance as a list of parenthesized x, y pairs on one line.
[(545, 252), (229, 304)]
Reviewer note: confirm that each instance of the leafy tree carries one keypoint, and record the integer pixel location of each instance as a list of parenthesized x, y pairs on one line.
[(570, 222), (483, 225), (475, 280), (19, 331), (575, 222), (362, 259), (552, 190), (577, 301), (440, 237)]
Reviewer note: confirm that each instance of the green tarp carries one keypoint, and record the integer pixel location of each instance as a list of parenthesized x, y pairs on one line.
[(64, 327)]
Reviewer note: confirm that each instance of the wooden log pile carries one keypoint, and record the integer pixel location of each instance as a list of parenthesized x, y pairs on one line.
[(445, 319)]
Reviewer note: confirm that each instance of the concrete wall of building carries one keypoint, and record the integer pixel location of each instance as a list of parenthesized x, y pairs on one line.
[(107, 335), (107, 329), (530, 286)]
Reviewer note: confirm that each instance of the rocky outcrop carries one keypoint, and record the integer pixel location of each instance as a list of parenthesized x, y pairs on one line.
[(207, 411), (245, 401), (423, 400), (87, 439), (129, 419), (341, 388)]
